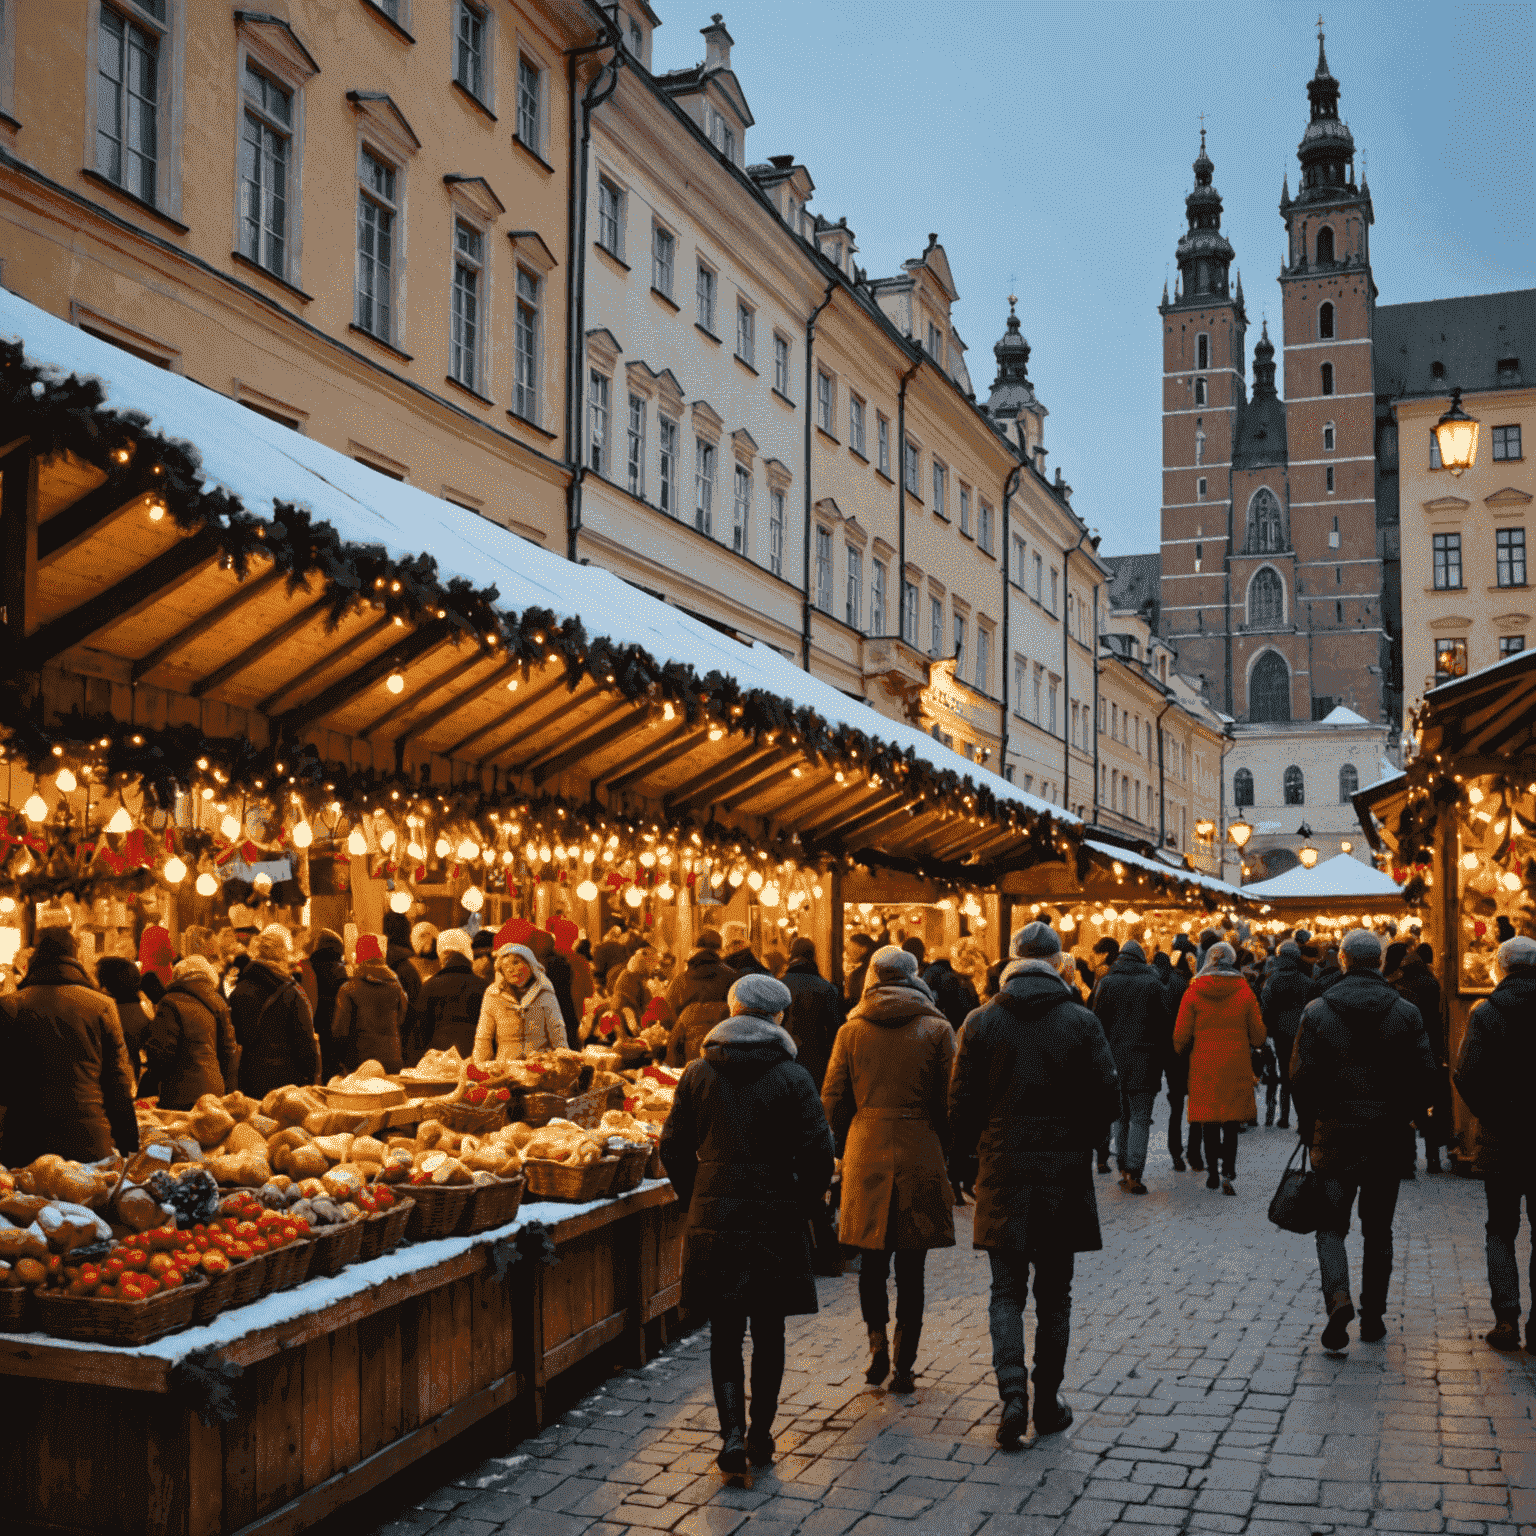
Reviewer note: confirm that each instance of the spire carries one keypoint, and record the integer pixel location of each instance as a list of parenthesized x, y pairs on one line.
[(1322, 56), (1264, 367), (1165, 290), (1285, 191), (1327, 149), (1011, 390), (1204, 253)]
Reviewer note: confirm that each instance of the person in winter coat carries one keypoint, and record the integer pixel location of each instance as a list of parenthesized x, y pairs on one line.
[(1361, 1069), (396, 948), (1415, 981), (885, 1096), (67, 1086), (856, 953), (370, 1011), (1175, 983), (119, 978), (738, 953), (816, 1013), (609, 952), (327, 963), (749, 1155), (697, 998), (628, 986), (483, 950), (558, 970), (519, 1013), (1033, 1082), (1131, 1005), (414, 974), (1288, 990), (448, 1005), (1494, 1071), (191, 1044), (1219, 1026), (157, 955), (954, 993), (565, 933), (273, 1023), (1329, 971)]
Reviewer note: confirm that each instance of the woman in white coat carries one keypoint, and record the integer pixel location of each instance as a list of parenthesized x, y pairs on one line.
[(519, 1013)]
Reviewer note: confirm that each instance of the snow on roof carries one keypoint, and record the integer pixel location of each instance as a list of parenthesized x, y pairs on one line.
[(263, 462), (1340, 876), (1140, 861), (1342, 715), (1514, 659)]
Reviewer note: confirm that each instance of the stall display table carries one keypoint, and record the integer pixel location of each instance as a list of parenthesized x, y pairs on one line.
[(341, 1383)]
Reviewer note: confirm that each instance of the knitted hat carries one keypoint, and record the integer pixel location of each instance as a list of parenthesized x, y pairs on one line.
[(242, 919), (328, 938), (891, 964), (760, 994), (733, 935), (1517, 954), (368, 949), (196, 968), (516, 930), (656, 1012), (55, 943), (1131, 950), (1036, 941), (564, 932), (454, 941), (273, 945), (423, 938)]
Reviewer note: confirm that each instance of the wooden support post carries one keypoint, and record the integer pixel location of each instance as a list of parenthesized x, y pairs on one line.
[(18, 553)]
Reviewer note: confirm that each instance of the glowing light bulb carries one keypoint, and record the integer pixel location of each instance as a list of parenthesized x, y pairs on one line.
[(715, 733), (416, 851), (357, 844), (121, 821), (395, 683), (586, 891), (664, 891), (507, 856), (400, 901), (816, 891), (229, 827), (668, 713), (560, 853), (472, 900), (755, 881), (769, 895), (1068, 923), (303, 835), (1110, 915), (388, 840), (156, 511), (175, 871), (469, 850), (545, 853), (588, 855), (648, 859), (1511, 881), (207, 885), (1469, 861), (66, 782), (442, 848), (736, 877), (36, 807), (7, 904), (634, 896)]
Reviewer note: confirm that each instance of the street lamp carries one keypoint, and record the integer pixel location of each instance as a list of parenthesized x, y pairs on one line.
[(1306, 853), (1204, 828), (1456, 434), (1240, 831)]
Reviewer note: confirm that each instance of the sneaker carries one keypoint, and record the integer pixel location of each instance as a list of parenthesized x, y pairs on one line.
[(1052, 1418), (1373, 1329), (1336, 1334), (1211, 1180), (1132, 1185), (1226, 1187), (1014, 1422), (732, 1459), (1125, 1183), (1178, 1164), (1504, 1336)]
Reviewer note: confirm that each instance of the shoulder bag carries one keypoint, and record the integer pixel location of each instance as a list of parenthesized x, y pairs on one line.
[(1297, 1204)]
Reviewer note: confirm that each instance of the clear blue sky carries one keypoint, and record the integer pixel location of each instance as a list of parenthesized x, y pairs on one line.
[(1049, 144)]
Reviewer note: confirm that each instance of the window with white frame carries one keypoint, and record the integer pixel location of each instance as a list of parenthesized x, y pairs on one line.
[(776, 532), (610, 217), (704, 486), (127, 96), (877, 573), (856, 424), (935, 343), (824, 569), (741, 514), (465, 322), (960, 626), (530, 93), (940, 487), (1019, 558), (935, 627), (722, 136), (634, 465), (853, 606), (599, 389), (883, 445), (781, 364), (265, 157), (965, 509), (525, 344), (746, 333), (1050, 707), (705, 291), (914, 484), (376, 210), (824, 401), (1054, 579), (909, 612), (666, 465), (469, 50), (984, 658), (984, 526), (1039, 577), (663, 259)]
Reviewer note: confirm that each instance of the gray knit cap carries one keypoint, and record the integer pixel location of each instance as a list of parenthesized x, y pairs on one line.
[(760, 994), (891, 963), (1036, 941), (454, 941), (274, 945), (1363, 949), (1517, 954)]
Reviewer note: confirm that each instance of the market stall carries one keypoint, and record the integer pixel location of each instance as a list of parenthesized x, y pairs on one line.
[(1332, 897)]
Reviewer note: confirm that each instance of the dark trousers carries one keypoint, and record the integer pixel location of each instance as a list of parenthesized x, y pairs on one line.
[(727, 1332), (1378, 1204), (874, 1303), (1504, 1193), (1053, 1319), (1176, 1132), (1283, 1045), (1220, 1138)]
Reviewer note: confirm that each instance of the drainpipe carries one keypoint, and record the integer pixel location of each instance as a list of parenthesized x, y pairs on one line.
[(1009, 487), (1066, 674), (1226, 579), (1162, 798), (901, 503), (810, 407), (602, 86), (1096, 704)]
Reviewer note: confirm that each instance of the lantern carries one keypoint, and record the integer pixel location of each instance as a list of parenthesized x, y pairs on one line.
[(1456, 436)]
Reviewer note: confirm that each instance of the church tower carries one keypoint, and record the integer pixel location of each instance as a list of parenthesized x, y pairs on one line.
[(1203, 399), (1328, 301)]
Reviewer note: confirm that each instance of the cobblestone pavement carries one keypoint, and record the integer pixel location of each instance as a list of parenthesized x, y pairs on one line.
[(1203, 1401)]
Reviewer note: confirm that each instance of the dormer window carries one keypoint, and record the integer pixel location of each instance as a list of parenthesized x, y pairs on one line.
[(935, 343), (723, 136)]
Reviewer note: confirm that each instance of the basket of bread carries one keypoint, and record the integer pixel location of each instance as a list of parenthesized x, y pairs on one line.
[(368, 1089), (630, 1141), (648, 1096), (494, 1203), (565, 1161), (137, 1291), (446, 1172), (437, 1073), (384, 1228), (478, 1104)]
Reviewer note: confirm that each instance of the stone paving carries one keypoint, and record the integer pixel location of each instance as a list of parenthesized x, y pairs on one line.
[(1203, 1401)]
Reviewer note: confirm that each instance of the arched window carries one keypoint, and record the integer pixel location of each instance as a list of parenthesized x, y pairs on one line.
[(1327, 378), (1325, 322), (1202, 351), (1295, 786), (1242, 788), (1266, 529), (1200, 446), (1349, 782), (1269, 689), (1328, 437), (1266, 599), (1199, 391), (1325, 246)]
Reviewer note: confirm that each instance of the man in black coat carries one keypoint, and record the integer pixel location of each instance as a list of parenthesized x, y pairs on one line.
[(749, 1153), (1415, 980), (328, 962), (738, 953), (815, 1013), (857, 950), (1361, 1069), (1494, 1072), (273, 1022), (67, 1084), (1287, 991), (1032, 1085), (1132, 1007), (1175, 980), (448, 1005), (953, 992)]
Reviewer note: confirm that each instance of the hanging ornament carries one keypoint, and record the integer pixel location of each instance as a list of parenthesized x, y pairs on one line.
[(586, 891), (66, 782), (303, 835), (357, 844), (472, 900), (634, 896), (207, 885), (175, 871), (36, 807), (400, 901)]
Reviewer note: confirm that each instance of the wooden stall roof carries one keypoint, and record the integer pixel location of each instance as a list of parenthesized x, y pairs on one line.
[(198, 563)]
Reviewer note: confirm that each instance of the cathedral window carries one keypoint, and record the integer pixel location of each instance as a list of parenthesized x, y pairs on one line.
[(1325, 318), (1199, 391), (1200, 446), (1327, 378), (1349, 783), (1328, 435), (1266, 527), (1295, 786), (1202, 351), (1269, 689), (1266, 599), (1325, 246)]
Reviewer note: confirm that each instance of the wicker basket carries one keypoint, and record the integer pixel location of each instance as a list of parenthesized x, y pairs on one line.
[(583, 1109), (335, 1247), (385, 1232), (632, 1165), (655, 1168), (492, 1205), (438, 1210), (97, 1320), (467, 1119), (287, 1266), (548, 1180), (15, 1309), (239, 1285)]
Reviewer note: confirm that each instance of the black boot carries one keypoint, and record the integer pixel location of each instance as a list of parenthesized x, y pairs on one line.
[(760, 1446), (1014, 1421), (879, 1358), (907, 1337), (731, 1405), (1341, 1313), (1052, 1415)]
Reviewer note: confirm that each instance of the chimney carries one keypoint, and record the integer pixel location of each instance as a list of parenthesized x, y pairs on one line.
[(717, 43)]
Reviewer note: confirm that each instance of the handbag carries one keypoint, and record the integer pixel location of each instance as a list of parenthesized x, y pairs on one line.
[(1297, 1204)]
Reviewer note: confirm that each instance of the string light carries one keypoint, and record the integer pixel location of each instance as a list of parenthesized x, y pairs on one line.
[(207, 885), (66, 782), (400, 901), (175, 871), (303, 834)]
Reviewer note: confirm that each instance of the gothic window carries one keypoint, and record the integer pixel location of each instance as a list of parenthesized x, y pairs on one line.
[(1295, 786), (1200, 446), (1202, 351), (1266, 529), (1266, 599), (1349, 782), (1327, 378), (1325, 246), (1199, 391), (1242, 788), (1325, 322), (1269, 689)]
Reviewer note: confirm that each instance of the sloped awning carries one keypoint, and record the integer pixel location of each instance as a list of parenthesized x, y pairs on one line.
[(1341, 878)]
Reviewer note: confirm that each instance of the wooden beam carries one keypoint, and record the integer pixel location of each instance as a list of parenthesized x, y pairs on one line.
[(845, 817), (507, 716), (81, 518), (738, 795), (866, 826), (324, 665), (18, 553), (707, 778), (670, 746), (246, 593), (345, 689), (454, 705), (614, 725), (259, 648), (135, 592), (409, 702), (722, 791), (520, 728)]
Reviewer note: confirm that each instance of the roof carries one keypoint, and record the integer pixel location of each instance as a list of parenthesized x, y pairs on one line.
[(1217, 888), (1261, 439), (1341, 714), (1467, 336), (1136, 580), (1339, 877)]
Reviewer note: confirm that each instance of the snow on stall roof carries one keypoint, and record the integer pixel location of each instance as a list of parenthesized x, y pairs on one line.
[(1340, 876), (261, 461), (1342, 715), (1140, 861)]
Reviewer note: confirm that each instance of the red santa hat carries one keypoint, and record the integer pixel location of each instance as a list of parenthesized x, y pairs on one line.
[(516, 930)]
